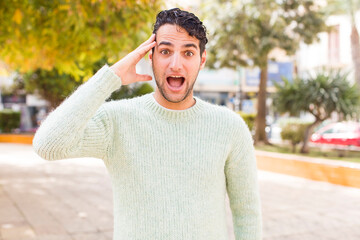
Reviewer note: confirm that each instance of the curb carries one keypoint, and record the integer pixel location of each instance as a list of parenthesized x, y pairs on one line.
[(16, 138), (332, 171)]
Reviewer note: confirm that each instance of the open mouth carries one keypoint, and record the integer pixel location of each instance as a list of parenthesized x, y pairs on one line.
[(175, 82)]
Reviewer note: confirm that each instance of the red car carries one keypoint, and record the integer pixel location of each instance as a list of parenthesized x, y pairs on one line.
[(338, 133)]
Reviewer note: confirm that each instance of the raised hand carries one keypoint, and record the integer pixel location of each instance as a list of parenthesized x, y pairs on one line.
[(125, 68)]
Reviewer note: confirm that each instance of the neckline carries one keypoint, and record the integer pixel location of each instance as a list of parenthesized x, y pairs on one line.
[(156, 108), (172, 110)]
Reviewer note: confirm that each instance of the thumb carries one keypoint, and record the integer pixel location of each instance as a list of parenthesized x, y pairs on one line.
[(143, 77)]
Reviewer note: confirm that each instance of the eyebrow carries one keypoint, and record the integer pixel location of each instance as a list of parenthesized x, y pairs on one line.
[(188, 45)]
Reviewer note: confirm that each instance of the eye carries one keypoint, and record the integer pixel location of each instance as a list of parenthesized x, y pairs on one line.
[(164, 51), (189, 53)]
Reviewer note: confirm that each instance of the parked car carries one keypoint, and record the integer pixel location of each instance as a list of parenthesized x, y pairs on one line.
[(338, 133)]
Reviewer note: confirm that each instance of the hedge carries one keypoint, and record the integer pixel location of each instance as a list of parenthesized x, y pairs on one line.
[(9, 120)]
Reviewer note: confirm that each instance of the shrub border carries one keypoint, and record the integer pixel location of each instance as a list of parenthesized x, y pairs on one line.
[(332, 171)]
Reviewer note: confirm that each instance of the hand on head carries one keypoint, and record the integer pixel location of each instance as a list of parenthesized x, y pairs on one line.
[(126, 67)]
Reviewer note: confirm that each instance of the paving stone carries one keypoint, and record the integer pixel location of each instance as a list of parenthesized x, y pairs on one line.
[(17, 231), (96, 217), (296, 208), (72, 200), (108, 235), (54, 237), (9, 213), (33, 209), (90, 236)]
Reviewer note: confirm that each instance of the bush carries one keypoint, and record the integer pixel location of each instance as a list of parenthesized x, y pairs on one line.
[(293, 130), (249, 119), (131, 91), (9, 120)]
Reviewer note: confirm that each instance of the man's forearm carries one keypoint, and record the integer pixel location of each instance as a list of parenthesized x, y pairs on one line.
[(64, 126), (74, 125)]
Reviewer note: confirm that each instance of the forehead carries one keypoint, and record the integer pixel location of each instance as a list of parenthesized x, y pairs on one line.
[(176, 35)]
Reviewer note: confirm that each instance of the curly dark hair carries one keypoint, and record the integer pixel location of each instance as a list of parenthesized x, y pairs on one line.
[(184, 19)]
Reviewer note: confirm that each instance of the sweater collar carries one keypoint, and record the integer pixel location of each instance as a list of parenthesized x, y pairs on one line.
[(171, 114)]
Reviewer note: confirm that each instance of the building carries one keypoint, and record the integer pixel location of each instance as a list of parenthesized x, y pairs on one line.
[(32, 108), (332, 50)]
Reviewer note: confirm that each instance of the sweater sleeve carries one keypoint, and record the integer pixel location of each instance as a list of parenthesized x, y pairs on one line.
[(80, 126), (242, 186)]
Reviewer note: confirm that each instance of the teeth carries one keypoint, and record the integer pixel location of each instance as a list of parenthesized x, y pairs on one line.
[(175, 76)]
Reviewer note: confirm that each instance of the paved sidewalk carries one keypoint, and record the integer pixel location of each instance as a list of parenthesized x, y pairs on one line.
[(71, 200)]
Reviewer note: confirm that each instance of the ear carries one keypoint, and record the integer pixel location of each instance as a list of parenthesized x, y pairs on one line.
[(150, 55), (203, 60)]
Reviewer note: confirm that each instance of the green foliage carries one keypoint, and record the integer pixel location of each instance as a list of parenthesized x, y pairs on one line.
[(50, 85), (143, 89), (287, 96), (132, 91), (59, 44), (71, 36), (249, 119), (325, 92), (249, 30), (9, 120), (293, 130), (245, 32), (322, 94)]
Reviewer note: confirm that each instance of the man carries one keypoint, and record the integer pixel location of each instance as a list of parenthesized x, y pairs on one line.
[(171, 156)]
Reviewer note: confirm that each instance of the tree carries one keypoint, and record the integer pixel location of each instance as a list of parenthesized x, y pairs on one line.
[(58, 44), (245, 32), (55, 87), (50, 85), (71, 36), (326, 92), (349, 7)]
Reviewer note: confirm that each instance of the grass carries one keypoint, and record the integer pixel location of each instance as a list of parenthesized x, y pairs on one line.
[(342, 155)]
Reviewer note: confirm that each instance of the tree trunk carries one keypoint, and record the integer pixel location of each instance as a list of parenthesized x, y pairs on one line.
[(260, 121), (355, 52), (308, 132)]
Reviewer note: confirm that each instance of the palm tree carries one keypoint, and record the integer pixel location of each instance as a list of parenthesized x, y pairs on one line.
[(244, 33), (326, 92)]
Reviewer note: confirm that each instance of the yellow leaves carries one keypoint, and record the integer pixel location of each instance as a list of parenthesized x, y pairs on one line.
[(17, 32), (17, 17), (72, 35), (64, 7), (87, 74), (82, 56)]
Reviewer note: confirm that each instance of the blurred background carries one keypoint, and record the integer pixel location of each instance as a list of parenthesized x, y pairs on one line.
[(290, 68), (287, 67)]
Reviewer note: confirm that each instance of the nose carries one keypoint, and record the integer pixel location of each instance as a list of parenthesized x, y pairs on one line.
[(175, 62)]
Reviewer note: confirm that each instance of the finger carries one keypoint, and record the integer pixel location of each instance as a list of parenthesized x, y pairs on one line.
[(143, 77), (141, 52), (150, 39)]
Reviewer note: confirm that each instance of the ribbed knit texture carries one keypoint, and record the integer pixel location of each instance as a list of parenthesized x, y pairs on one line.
[(170, 170)]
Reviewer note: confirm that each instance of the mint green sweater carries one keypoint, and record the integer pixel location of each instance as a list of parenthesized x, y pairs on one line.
[(170, 170)]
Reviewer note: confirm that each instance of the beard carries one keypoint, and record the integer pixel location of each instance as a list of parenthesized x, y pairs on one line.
[(166, 96)]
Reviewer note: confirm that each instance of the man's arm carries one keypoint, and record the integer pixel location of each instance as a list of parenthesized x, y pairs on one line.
[(242, 186), (80, 126)]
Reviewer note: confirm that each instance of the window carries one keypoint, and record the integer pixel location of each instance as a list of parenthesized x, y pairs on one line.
[(334, 46)]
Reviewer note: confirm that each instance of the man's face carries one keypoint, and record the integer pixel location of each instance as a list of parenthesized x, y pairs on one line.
[(176, 62)]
